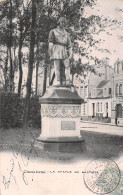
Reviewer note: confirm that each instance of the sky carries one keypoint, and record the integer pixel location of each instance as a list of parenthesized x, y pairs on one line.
[(111, 9)]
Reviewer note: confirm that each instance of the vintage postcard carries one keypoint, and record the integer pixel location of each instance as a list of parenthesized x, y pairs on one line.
[(61, 97)]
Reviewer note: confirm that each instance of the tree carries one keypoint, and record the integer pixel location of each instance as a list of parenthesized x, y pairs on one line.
[(8, 42), (7, 16), (23, 22), (30, 65)]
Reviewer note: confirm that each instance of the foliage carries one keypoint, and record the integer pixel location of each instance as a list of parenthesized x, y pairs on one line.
[(77, 67), (12, 108), (35, 115)]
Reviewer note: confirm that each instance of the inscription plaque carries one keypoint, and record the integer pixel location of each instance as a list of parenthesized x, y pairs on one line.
[(68, 125)]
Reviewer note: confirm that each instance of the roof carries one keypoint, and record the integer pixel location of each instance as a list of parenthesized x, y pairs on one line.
[(102, 83)]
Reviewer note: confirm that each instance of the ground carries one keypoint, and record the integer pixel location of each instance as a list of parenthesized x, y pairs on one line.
[(101, 141)]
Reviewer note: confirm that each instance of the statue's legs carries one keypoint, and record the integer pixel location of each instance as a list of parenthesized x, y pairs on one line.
[(62, 72), (57, 71), (67, 71)]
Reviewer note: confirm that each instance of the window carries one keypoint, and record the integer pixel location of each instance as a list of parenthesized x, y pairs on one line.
[(116, 89), (119, 110), (118, 68), (83, 109), (115, 68), (106, 109), (109, 91), (120, 89), (99, 107), (85, 91), (80, 91), (93, 108), (106, 105)]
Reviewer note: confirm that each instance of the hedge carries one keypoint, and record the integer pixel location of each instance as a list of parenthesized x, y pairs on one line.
[(12, 109)]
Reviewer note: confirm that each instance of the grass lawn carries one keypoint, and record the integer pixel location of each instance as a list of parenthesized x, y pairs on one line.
[(103, 145), (97, 145)]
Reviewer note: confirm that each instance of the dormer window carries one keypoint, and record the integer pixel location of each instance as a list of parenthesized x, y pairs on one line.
[(118, 68)]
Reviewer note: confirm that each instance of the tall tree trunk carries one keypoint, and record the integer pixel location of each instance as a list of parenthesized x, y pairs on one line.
[(14, 68), (44, 80), (10, 49), (36, 82), (11, 70), (45, 72), (37, 65), (20, 65), (30, 65), (5, 72)]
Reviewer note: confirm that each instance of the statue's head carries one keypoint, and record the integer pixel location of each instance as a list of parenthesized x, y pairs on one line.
[(62, 22)]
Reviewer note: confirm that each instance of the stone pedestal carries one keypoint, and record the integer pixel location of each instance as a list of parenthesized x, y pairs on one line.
[(60, 111)]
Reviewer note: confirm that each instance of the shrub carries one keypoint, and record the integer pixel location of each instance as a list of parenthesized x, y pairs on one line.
[(11, 111), (35, 115)]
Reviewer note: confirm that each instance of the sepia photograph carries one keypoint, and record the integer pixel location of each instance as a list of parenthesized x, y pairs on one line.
[(61, 97)]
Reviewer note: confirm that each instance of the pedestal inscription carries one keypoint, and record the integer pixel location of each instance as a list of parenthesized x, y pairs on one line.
[(68, 125)]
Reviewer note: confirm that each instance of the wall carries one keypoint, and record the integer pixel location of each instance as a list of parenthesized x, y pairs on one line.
[(106, 74), (117, 98), (103, 101)]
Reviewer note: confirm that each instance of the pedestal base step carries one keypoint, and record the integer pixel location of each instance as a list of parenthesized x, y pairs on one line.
[(65, 145)]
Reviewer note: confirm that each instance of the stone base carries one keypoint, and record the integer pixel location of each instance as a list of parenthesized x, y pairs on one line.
[(60, 111), (63, 144)]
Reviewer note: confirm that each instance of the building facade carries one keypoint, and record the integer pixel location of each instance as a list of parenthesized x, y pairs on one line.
[(103, 95), (99, 103), (99, 96), (117, 99), (82, 90)]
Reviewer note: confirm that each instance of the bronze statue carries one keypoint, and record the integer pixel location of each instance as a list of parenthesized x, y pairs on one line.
[(60, 52)]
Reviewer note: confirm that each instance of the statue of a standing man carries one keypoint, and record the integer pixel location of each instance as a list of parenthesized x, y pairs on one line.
[(60, 51)]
